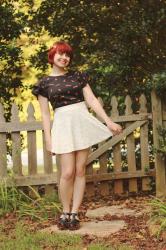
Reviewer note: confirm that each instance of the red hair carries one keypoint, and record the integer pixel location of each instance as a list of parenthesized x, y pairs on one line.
[(61, 47)]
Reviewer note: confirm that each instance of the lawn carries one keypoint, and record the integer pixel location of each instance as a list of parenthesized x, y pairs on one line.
[(25, 223), (23, 238)]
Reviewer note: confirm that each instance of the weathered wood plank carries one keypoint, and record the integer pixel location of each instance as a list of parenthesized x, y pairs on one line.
[(44, 179), (164, 111), (3, 147), (31, 140), (144, 144), (32, 150), (89, 189), (118, 184), (159, 162), (130, 147), (103, 159), (119, 176), (104, 186), (48, 166), (16, 144)]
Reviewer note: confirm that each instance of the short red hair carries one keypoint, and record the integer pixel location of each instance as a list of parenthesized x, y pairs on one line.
[(61, 47)]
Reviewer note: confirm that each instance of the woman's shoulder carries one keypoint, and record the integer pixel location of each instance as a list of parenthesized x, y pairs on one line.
[(80, 74), (42, 78), (45, 79)]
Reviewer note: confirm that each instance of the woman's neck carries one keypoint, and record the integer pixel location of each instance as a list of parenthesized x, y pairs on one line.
[(56, 71)]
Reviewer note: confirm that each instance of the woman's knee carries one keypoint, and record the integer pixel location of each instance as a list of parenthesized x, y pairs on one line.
[(67, 163), (80, 171), (68, 175)]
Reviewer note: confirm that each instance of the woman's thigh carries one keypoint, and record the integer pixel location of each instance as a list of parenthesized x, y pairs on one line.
[(67, 163), (81, 159)]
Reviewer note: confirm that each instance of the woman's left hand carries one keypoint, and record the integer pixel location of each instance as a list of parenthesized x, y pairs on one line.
[(115, 128)]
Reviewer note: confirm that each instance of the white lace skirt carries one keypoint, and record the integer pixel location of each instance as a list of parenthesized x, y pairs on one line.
[(75, 128)]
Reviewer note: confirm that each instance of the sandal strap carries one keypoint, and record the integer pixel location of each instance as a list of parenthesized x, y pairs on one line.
[(66, 213), (73, 215)]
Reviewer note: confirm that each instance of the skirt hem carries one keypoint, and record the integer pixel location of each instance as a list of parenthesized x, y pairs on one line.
[(80, 148)]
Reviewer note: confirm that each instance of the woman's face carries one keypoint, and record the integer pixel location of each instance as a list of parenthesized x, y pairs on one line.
[(61, 60)]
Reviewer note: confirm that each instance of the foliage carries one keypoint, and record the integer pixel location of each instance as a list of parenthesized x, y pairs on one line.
[(12, 23), (158, 82), (120, 44), (158, 214), (15, 200)]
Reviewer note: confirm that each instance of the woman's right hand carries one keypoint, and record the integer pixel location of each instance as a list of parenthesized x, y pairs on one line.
[(49, 148)]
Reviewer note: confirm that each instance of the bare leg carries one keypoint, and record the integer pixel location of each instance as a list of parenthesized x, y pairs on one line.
[(79, 182), (67, 162)]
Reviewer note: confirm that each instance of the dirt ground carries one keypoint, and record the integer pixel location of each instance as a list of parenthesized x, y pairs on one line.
[(135, 234)]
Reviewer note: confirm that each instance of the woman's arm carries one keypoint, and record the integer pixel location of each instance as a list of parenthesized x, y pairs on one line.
[(93, 102), (45, 112)]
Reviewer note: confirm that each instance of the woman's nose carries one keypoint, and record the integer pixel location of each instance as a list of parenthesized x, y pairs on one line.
[(65, 56)]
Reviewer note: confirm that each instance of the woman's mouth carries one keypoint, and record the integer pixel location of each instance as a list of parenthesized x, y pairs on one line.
[(64, 62)]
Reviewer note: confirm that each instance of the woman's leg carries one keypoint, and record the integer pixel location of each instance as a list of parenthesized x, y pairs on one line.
[(67, 162), (79, 182)]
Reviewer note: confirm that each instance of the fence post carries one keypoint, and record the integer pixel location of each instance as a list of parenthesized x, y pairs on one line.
[(144, 144), (117, 159), (16, 143), (130, 147), (31, 139), (159, 162), (3, 148), (103, 160), (48, 166)]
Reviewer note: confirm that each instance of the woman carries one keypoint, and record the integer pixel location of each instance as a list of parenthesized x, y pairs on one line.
[(74, 129)]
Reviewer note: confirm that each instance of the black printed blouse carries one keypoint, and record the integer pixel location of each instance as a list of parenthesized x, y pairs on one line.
[(62, 90)]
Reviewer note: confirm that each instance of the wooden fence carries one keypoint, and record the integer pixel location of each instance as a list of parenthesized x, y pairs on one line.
[(118, 165)]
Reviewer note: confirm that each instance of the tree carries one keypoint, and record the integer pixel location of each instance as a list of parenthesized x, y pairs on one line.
[(10, 54), (122, 44)]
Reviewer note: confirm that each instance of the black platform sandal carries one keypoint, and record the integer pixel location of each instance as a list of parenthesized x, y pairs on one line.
[(63, 221), (74, 223)]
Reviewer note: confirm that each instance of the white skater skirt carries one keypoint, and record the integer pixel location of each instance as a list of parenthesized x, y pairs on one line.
[(75, 128)]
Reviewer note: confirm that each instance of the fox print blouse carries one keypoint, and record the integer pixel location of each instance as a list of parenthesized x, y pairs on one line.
[(62, 90)]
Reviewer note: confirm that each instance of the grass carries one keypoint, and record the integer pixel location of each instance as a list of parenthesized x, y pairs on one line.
[(21, 238), (158, 214), (13, 199)]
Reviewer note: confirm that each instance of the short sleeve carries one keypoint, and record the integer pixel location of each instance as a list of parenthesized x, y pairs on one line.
[(84, 79), (40, 88)]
